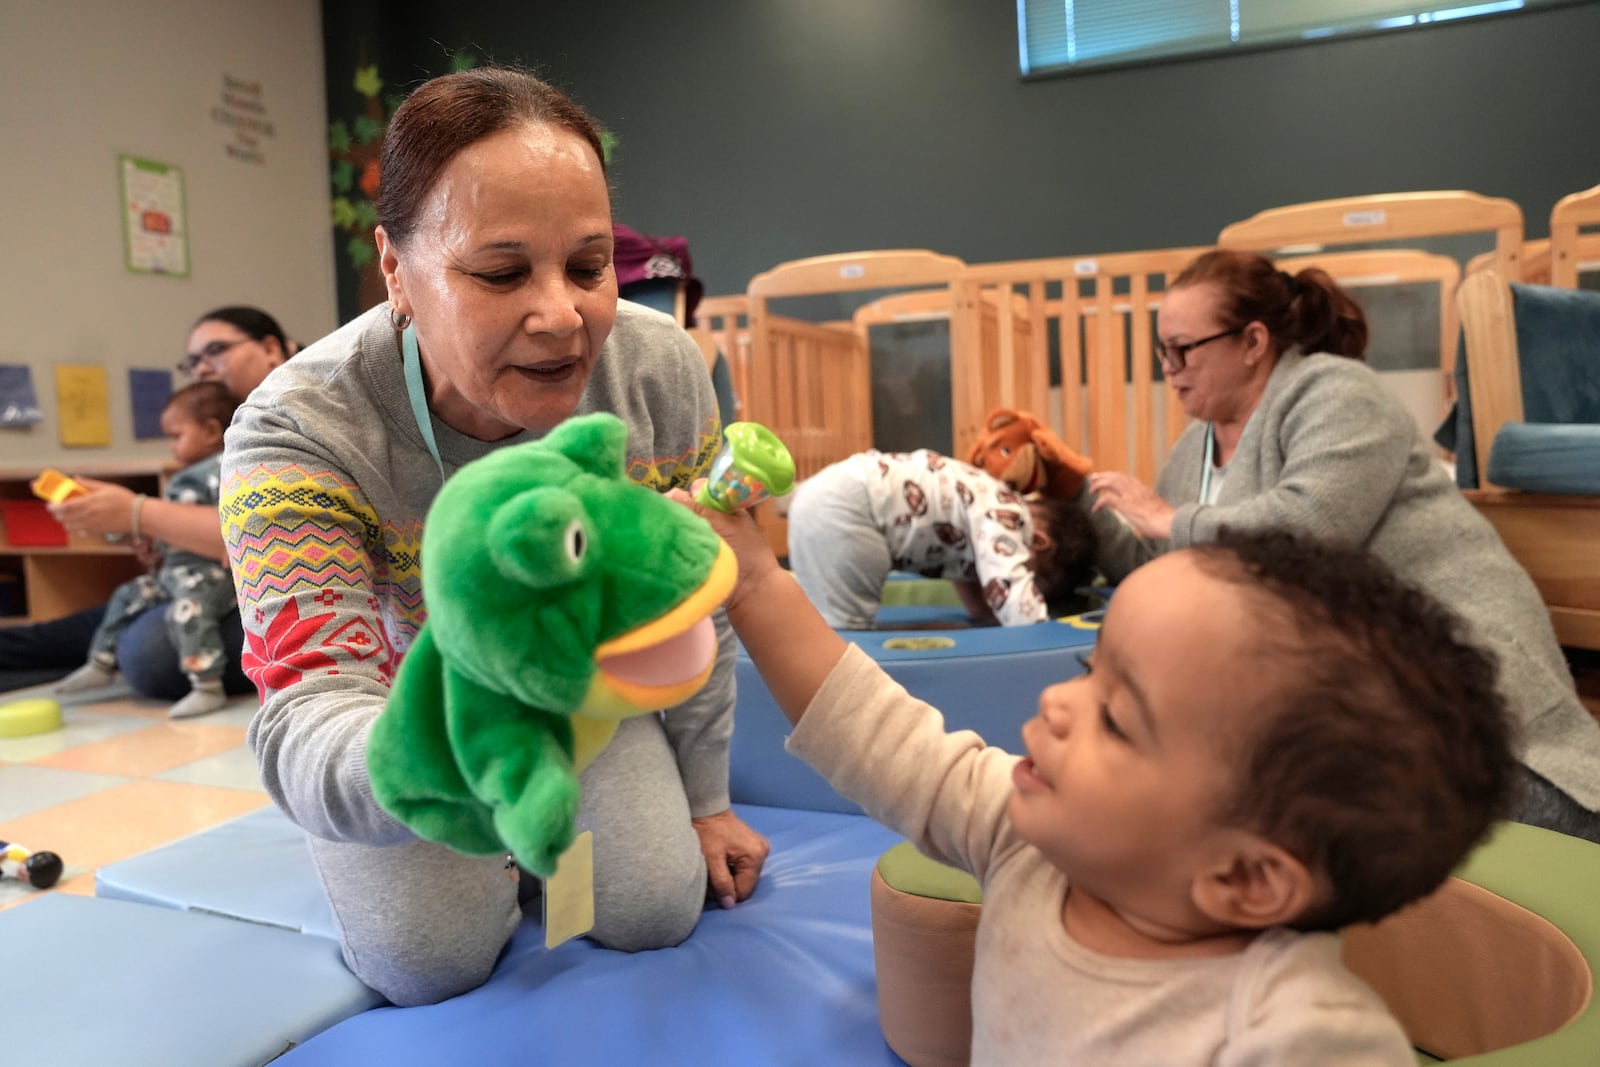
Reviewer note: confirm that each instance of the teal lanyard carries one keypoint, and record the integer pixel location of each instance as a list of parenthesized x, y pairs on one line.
[(419, 395), (1210, 462)]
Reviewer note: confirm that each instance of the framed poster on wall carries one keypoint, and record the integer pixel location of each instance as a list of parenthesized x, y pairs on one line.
[(155, 235), (83, 405)]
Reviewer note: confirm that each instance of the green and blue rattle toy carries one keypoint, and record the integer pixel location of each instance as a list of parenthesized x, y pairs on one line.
[(752, 466)]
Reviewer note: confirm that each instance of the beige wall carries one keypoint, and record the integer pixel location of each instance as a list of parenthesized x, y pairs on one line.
[(84, 80)]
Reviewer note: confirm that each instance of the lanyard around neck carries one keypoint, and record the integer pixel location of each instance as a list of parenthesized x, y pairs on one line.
[(419, 394), (1210, 462)]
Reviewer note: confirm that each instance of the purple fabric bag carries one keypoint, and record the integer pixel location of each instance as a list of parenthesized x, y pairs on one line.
[(642, 259)]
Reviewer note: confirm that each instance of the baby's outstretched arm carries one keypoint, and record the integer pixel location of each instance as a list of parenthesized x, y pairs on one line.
[(790, 644)]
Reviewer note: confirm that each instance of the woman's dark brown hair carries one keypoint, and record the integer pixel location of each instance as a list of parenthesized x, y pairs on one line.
[(1307, 311), (445, 115), (253, 323)]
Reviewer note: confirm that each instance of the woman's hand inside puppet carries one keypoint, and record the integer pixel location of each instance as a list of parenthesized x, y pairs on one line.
[(562, 597), (1023, 452)]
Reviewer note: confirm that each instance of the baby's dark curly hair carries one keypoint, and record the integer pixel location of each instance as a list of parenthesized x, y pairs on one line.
[(205, 400), (1388, 752), (1059, 573)]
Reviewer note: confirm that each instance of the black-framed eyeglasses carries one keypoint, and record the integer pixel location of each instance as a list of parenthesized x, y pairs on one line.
[(208, 354), (1174, 357)]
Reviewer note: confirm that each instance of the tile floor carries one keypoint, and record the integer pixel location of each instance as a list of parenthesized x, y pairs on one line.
[(120, 778)]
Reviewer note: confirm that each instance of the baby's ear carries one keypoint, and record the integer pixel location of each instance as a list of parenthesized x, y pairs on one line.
[(1251, 884)]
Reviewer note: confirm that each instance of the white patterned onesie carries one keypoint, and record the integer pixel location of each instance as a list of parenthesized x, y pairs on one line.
[(857, 520)]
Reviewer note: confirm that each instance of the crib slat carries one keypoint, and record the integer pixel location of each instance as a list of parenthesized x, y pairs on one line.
[(1108, 401)]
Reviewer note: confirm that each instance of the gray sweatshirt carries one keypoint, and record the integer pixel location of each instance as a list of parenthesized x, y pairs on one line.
[(326, 481)]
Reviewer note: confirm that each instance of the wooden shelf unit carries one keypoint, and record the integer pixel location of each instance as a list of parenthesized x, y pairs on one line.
[(57, 580)]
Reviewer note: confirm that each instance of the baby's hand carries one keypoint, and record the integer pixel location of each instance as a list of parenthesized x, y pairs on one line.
[(148, 553), (742, 535)]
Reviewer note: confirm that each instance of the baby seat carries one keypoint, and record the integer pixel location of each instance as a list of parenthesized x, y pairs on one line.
[(1495, 969)]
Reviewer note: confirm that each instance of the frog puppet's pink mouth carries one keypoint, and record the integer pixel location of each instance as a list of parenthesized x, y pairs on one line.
[(666, 661), (672, 662)]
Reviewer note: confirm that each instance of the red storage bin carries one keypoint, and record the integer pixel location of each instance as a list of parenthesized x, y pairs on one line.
[(29, 523)]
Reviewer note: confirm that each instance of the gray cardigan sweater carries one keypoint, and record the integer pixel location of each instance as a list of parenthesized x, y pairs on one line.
[(1331, 451)]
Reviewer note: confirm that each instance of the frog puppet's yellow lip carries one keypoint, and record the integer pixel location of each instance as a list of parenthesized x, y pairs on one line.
[(665, 661)]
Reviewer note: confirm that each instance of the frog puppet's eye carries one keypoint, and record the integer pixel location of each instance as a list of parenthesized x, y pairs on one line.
[(541, 538), (577, 542)]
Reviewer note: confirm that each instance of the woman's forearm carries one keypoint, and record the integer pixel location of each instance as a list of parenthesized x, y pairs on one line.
[(117, 511), (192, 527)]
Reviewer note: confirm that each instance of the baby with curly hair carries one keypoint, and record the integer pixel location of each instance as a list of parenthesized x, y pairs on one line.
[(1274, 738)]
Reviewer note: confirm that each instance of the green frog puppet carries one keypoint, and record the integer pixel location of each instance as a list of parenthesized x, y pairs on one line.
[(562, 597)]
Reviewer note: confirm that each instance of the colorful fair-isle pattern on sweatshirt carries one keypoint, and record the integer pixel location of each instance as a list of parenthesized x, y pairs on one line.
[(310, 540)]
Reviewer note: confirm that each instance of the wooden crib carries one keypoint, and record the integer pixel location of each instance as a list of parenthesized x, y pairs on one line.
[(810, 382), (727, 320), (1568, 252), (1428, 393), (1109, 402), (1382, 220), (1325, 232), (1096, 313), (1321, 227), (1573, 251)]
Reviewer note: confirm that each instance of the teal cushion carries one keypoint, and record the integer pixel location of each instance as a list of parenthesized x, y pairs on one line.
[(1558, 350), (1547, 458), (1558, 353)]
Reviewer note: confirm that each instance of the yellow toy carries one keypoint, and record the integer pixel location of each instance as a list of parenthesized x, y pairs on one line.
[(53, 486), (23, 718)]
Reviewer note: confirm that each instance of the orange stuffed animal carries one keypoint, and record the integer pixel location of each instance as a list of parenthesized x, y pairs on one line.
[(1027, 455)]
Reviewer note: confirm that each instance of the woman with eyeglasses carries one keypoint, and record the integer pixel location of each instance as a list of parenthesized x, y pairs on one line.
[(1292, 428), (239, 346)]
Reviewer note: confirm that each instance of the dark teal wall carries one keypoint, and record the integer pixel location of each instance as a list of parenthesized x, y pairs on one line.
[(764, 130)]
